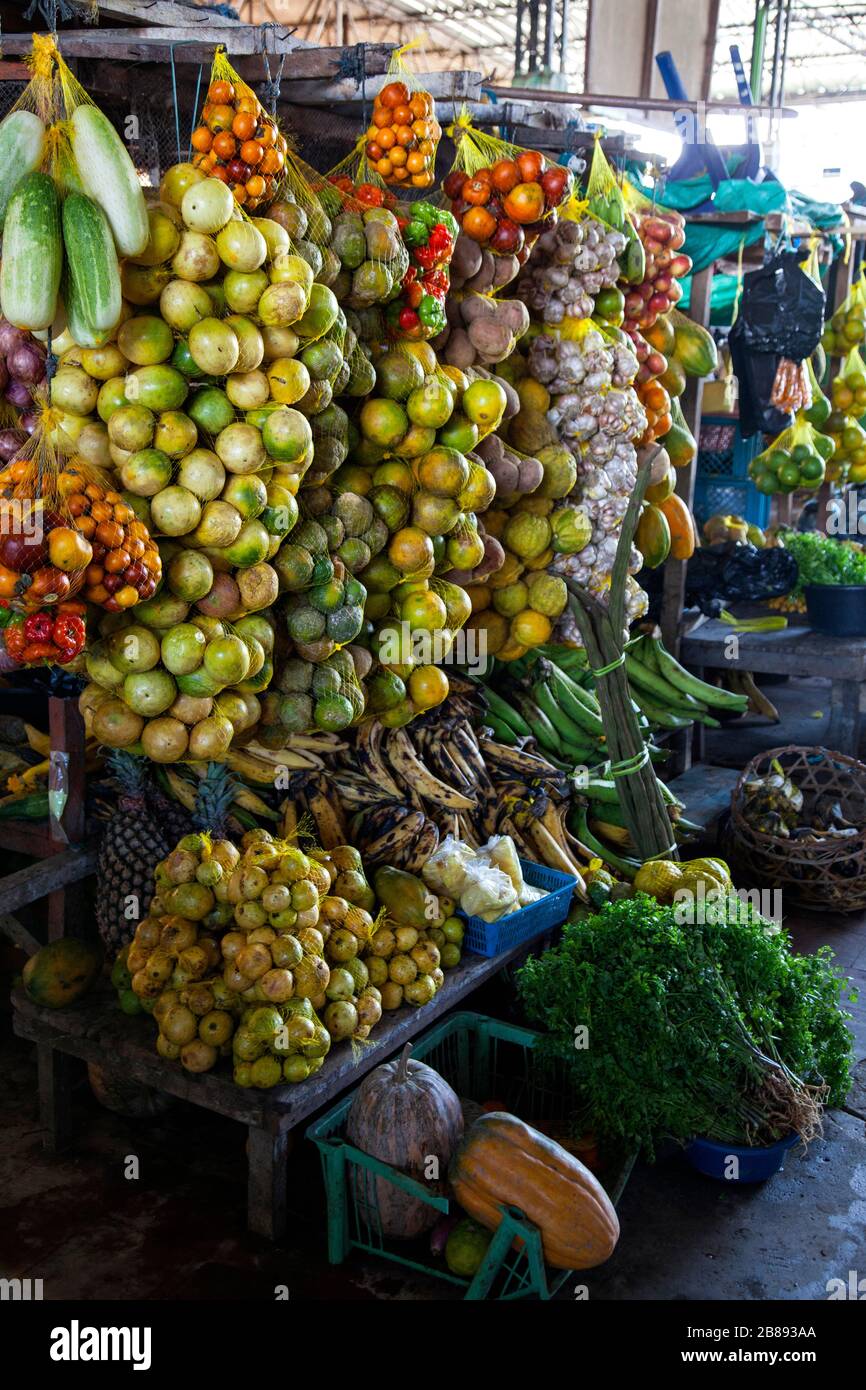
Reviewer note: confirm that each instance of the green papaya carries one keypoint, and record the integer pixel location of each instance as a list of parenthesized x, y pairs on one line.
[(61, 972), (404, 897)]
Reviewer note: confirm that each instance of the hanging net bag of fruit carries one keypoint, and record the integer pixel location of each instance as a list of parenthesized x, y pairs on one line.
[(65, 530), (72, 204), (236, 140), (847, 326), (502, 196), (403, 135), (795, 460)]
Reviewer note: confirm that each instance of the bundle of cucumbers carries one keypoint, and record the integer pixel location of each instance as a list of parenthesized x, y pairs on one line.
[(62, 236)]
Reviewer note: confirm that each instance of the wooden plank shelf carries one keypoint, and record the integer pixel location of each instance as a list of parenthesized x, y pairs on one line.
[(94, 1030), (794, 651)]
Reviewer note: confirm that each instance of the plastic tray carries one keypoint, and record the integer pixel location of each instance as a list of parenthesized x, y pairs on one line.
[(482, 1059), (489, 938)]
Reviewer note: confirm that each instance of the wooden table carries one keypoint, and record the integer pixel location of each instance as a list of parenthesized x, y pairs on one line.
[(94, 1030), (792, 651)]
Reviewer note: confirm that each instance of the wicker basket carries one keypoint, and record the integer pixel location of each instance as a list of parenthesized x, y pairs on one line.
[(826, 872)]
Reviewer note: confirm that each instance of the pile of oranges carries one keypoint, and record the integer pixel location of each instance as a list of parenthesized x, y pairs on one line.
[(403, 135), (657, 405), (238, 143)]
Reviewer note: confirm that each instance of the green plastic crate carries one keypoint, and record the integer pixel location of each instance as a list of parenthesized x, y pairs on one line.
[(482, 1059)]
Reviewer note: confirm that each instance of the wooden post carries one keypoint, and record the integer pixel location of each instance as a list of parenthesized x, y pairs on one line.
[(267, 1184), (673, 597)]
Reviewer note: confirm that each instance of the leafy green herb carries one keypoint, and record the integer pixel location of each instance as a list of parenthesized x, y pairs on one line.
[(824, 560), (716, 1030)]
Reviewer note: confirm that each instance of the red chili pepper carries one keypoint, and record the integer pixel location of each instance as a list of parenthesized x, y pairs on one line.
[(38, 627), (408, 319)]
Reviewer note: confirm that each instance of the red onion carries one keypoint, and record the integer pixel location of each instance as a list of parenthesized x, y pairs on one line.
[(28, 421), (4, 375), (10, 337), (17, 393), (26, 363), (10, 442)]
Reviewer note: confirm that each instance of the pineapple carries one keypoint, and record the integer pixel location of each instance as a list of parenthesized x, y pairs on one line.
[(213, 799), (135, 839)]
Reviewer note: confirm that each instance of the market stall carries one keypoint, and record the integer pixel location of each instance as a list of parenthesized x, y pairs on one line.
[(334, 481)]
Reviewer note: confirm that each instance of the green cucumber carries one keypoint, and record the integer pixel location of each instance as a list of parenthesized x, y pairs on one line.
[(32, 254), (34, 806), (22, 140), (93, 284), (108, 175)]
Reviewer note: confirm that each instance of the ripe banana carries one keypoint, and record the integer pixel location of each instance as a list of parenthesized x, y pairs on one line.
[(393, 842), (758, 701), (253, 769), (369, 757), (290, 757), (289, 827), (330, 827), (182, 790), (553, 855), (416, 775), (424, 845), (515, 761)]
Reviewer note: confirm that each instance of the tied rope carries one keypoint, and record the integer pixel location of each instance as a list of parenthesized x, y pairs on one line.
[(611, 666), (353, 63), (271, 84)]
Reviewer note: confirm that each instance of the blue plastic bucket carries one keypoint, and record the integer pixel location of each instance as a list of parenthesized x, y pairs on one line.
[(755, 1165)]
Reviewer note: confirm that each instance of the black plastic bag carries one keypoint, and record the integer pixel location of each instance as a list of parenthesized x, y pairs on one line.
[(781, 309), (755, 373), (781, 315), (719, 575)]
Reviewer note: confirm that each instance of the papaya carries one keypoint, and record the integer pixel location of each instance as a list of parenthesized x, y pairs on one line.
[(673, 378), (695, 348), (404, 897), (679, 440), (661, 336), (653, 536), (62, 972), (681, 526), (657, 492)]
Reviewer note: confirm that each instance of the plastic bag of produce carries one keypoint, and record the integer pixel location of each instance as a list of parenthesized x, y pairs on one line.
[(847, 326), (64, 529), (319, 684), (48, 637), (818, 411), (501, 852), (488, 893), (445, 871), (236, 140), (404, 134), (795, 459)]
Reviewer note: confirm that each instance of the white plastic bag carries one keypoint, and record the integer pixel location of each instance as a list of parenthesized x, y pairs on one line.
[(488, 893), (445, 870)]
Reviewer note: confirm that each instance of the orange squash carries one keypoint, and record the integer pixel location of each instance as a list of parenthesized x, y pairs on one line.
[(503, 1162), (653, 536), (682, 527)]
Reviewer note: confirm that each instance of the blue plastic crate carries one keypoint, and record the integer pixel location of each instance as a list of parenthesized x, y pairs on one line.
[(489, 938), (722, 482)]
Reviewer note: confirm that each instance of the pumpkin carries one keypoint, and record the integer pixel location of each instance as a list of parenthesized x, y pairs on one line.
[(681, 525), (404, 1113), (503, 1162)]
